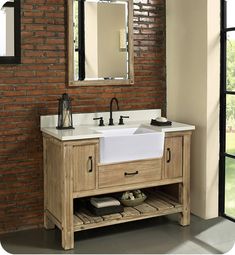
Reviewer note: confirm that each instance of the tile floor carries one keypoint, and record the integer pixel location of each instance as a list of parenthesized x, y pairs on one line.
[(158, 235)]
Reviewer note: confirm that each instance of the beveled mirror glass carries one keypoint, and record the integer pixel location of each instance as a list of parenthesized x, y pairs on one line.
[(100, 42)]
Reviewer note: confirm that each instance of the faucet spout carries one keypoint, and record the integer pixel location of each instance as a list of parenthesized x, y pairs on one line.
[(111, 110)]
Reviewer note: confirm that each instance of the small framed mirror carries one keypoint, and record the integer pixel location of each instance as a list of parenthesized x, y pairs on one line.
[(100, 42), (10, 32)]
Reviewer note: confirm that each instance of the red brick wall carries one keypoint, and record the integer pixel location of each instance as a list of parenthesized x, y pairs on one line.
[(31, 89)]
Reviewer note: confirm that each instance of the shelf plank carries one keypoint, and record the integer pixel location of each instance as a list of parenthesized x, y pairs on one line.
[(126, 219), (145, 208), (91, 217), (155, 205), (82, 217), (159, 203), (113, 216), (169, 199), (165, 198), (77, 221), (130, 212)]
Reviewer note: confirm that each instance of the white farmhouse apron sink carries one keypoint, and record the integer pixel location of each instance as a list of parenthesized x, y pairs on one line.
[(130, 143)]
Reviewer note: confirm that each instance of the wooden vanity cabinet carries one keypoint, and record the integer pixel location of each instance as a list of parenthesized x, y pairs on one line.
[(72, 170)]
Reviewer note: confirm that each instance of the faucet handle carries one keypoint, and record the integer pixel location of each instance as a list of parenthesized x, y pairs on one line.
[(101, 121), (121, 119)]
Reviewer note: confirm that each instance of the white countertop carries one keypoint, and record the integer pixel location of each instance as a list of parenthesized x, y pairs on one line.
[(92, 131)]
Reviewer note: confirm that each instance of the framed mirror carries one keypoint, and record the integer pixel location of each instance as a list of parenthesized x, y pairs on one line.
[(10, 32), (100, 42)]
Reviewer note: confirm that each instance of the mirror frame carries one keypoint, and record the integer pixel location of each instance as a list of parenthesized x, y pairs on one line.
[(16, 59), (74, 83)]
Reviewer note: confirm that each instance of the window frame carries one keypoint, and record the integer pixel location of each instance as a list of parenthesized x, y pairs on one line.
[(223, 104)]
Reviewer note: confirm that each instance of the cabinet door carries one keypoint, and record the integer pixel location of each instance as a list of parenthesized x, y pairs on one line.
[(173, 157), (84, 167)]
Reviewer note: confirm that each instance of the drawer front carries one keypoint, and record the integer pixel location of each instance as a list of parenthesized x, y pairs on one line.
[(129, 173)]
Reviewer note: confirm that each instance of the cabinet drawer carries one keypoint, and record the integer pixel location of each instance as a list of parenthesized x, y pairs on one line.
[(129, 173)]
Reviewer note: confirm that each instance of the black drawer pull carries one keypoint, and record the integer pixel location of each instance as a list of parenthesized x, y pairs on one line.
[(90, 164), (131, 174), (169, 155)]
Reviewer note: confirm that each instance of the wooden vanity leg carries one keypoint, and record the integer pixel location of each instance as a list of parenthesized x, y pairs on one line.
[(67, 223), (67, 201), (67, 239), (184, 218), (184, 188), (48, 224)]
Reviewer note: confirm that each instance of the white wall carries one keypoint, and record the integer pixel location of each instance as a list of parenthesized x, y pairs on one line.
[(213, 96), (193, 91)]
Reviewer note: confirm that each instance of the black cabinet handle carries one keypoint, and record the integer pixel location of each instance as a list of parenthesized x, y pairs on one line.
[(90, 164), (131, 174), (169, 155)]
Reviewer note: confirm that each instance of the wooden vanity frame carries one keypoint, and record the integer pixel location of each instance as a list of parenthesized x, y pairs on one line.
[(64, 181)]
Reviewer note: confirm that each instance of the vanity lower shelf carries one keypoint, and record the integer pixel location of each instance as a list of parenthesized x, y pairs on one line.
[(157, 204)]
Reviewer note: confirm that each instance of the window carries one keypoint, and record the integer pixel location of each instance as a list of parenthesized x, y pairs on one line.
[(227, 118)]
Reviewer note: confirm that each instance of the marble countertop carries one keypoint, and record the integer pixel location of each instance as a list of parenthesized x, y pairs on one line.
[(91, 131)]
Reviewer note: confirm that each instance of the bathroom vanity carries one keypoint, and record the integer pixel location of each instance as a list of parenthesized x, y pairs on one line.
[(73, 171)]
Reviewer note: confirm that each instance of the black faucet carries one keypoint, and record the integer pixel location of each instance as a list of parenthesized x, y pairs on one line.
[(111, 110)]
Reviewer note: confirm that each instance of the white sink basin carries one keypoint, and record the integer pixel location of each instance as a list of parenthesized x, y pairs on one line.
[(127, 144)]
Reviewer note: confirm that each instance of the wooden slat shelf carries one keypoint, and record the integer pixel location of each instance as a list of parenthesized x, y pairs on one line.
[(157, 204)]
